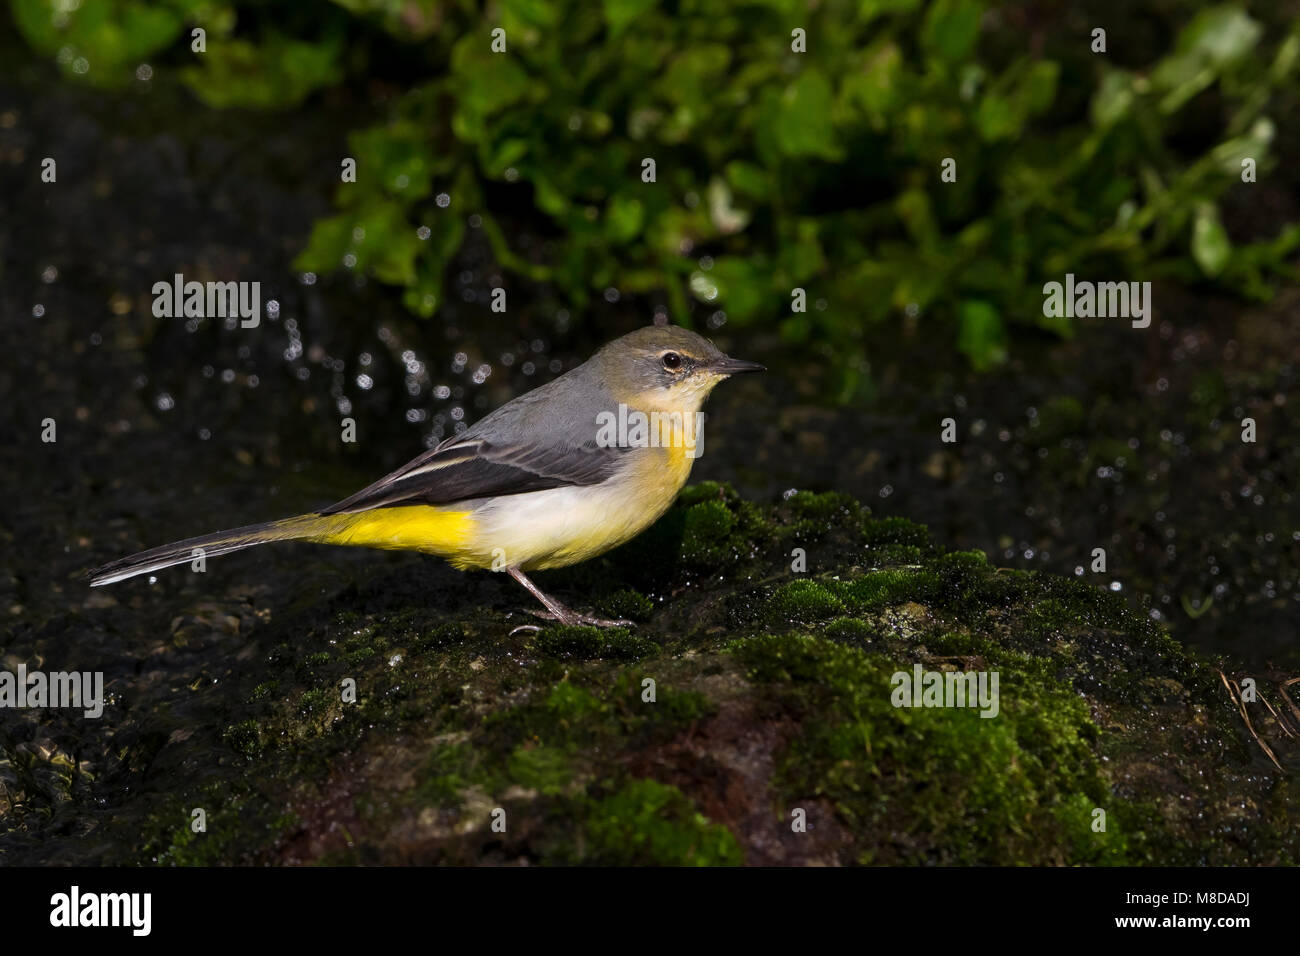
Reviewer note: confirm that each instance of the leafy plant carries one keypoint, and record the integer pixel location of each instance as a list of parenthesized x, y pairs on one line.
[(776, 166)]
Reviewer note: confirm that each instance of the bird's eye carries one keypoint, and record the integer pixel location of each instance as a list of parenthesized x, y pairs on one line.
[(672, 361)]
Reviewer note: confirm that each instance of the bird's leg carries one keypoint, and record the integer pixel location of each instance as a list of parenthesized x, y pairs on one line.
[(555, 611), (558, 611)]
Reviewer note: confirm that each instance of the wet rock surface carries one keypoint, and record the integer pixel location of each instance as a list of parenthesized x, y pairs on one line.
[(750, 698)]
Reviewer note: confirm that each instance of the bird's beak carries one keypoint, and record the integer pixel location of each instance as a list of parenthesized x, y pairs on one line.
[(726, 365)]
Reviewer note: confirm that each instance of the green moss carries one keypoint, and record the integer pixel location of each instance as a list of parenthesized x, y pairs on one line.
[(239, 828), (1047, 617), (548, 770), (592, 643), (963, 788), (650, 823), (822, 508), (545, 746), (244, 738), (1091, 837), (705, 491), (962, 559), (567, 702), (446, 634), (264, 691), (879, 533), (803, 602), (963, 644), (449, 769), (878, 589), (710, 528), (361, 655), (891, 555), (314, 701), (627, 604), (811, 516), (707, 541), (850, 630), (672, 709)]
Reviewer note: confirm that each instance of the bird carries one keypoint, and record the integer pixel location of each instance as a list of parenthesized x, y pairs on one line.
[(554, 477)]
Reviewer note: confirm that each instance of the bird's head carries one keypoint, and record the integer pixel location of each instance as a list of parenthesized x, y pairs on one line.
[(667, 367)]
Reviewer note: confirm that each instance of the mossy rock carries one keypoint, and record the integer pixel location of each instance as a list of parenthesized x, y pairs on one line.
[(751, 718)]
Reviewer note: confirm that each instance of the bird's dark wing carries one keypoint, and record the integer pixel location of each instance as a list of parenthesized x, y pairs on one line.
[(463, 467)]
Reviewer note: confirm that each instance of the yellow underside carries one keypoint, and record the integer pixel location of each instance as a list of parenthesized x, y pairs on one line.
[(449, 534)]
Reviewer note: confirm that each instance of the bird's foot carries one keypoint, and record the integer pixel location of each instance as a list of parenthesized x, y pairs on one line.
[(555, 611), (573, 618)]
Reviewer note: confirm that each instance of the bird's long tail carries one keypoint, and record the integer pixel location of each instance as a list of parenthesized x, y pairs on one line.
[(303, 527)]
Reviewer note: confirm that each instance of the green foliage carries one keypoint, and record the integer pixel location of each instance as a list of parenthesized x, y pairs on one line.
[(101, 41), (775, 169), (278, 72)]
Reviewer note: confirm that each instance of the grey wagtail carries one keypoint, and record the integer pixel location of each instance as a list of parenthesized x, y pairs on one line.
[(558, 475)]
